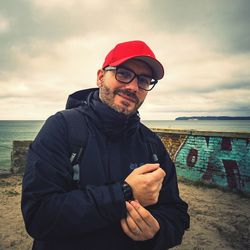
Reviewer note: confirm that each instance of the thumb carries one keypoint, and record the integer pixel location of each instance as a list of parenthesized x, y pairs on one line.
[(147, 168)]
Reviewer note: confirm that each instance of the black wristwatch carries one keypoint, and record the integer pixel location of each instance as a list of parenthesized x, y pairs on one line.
[(127, 191)]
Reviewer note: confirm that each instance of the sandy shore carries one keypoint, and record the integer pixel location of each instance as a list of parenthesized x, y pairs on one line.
[(219, 220)]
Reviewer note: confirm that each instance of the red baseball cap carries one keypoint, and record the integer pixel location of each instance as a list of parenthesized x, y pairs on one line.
[(136, 50)]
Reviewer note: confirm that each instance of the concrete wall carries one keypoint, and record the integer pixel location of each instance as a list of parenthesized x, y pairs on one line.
[(217, 158), (18, 156)]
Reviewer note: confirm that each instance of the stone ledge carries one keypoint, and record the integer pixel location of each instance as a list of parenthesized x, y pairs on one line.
[(243, 135)]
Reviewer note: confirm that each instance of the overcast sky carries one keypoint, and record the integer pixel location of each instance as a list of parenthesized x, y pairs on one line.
[(50, 49)]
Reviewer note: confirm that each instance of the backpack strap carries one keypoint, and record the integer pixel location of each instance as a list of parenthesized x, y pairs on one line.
[(151, 142), (78, 136)]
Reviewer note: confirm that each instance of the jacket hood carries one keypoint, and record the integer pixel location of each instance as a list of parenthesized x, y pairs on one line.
[(78, 98)]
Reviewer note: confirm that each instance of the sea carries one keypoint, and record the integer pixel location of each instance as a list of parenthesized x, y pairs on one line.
[(27, 130)]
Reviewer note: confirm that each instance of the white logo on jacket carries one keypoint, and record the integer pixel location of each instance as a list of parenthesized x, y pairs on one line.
[(135, 165)]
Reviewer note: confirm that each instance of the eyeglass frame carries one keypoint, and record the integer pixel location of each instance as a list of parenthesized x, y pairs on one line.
[(115, 68)]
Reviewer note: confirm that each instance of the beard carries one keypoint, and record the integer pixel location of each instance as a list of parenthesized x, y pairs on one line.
[(107, 96)]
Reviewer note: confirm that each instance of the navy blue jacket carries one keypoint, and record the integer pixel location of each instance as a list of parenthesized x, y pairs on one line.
[(59, 215)]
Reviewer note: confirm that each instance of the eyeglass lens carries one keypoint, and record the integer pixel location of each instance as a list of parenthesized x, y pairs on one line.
[(126, 76)]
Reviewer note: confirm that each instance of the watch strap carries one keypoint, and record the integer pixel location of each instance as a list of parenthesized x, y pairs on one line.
[(127, 191)]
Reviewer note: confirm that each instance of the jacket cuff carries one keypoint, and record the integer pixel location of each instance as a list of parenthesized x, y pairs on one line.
[(118, 201)]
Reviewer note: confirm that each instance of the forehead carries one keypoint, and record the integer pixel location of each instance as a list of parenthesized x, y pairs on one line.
[(138, 66)]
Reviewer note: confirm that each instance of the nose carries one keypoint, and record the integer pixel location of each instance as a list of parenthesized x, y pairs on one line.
[(133, 85)]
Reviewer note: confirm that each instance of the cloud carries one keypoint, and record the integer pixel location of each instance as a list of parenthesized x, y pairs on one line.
[(4, 25), (37, 25), (50, 49), (222, 24)]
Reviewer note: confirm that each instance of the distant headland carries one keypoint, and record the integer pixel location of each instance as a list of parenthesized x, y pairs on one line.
[(212, 118)]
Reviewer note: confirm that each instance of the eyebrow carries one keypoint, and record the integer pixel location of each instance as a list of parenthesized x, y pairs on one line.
[(127, 68)]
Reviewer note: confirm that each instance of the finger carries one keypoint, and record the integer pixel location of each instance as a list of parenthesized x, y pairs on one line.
[(125, 227), (126, 230), (133, 227), (159, 187), (137, 235), (147, 168), (136, 217), (150, 225), (145, 215), (139, 222), (158, 174)]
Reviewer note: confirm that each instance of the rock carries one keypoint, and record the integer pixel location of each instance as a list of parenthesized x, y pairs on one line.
[(18, 156)]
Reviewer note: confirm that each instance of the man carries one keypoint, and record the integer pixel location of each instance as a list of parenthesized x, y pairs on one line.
[(124, 194)]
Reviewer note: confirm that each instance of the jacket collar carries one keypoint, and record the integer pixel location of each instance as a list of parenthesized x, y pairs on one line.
[(112, 123)]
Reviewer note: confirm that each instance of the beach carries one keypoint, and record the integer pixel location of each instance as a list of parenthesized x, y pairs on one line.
[(219, 219)]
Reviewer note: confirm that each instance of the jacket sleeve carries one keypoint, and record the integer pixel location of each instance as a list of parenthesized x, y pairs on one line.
[(170, 211), (51, 207)]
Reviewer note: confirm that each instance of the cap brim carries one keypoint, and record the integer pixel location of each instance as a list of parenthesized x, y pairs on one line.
[(158, 70)]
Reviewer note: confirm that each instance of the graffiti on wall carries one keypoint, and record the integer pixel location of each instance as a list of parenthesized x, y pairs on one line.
[(219, 160)]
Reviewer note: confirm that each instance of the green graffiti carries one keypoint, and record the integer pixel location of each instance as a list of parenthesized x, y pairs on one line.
[(218, 160)]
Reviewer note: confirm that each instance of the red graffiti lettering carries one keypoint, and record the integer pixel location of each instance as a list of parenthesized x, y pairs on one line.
[(233, 173), (226, 144), (192, 157), (209, 172)]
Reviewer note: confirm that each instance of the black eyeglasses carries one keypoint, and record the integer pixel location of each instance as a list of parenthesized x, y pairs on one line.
[(126, 76)]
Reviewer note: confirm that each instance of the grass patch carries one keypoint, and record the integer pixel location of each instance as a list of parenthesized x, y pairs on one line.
[(11, 192), (4, 183)]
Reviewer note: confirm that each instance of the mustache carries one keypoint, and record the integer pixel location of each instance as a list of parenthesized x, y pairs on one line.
[(128, 93)]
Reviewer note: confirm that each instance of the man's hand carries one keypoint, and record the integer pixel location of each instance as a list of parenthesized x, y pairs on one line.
[(140, 224), (146, 182)]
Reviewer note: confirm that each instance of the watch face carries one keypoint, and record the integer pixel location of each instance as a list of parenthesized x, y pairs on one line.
[(127, 191)]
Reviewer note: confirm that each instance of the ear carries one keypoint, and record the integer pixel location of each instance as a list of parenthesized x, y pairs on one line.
[(100, 75)]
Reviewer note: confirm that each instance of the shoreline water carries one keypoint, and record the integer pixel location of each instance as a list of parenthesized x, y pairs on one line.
[(27, 130)]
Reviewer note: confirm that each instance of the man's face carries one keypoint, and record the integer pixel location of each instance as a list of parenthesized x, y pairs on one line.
[(124, 98)]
